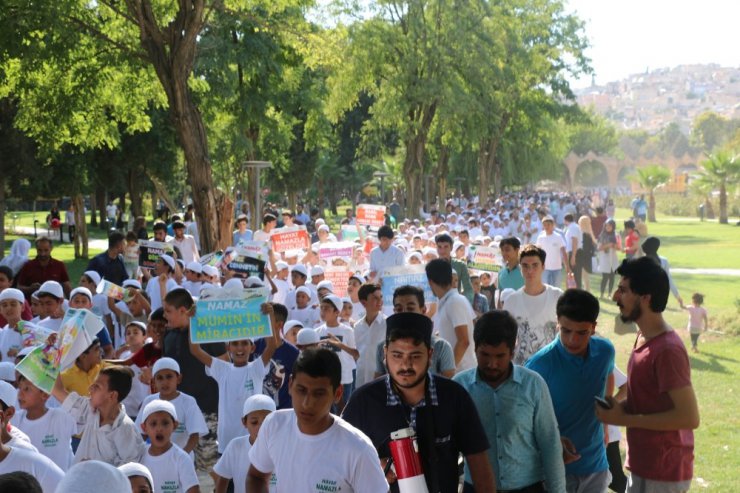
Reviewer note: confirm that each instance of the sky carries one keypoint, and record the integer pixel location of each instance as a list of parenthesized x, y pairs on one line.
[(630, 36)]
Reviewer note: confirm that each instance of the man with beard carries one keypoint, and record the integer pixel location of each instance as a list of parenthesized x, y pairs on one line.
[(516, 410), (440, 411), (659, 409), (41, 269)]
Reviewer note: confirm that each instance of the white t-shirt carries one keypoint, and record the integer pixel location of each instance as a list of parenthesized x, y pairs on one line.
[(51, 434), (283, 288), (9, 339), (40, 467), (552, 244), (308, 317), (172, 472), (155, 295), (189, 418), (51, 323), (367, 338), (347, 336), (573, 231), (188, 248), (536, 318), (454, 310), (234, 465), (235, 385), (340, 459), (139, 390)]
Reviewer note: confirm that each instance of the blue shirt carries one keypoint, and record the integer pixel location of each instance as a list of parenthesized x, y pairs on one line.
[(573, 382), (278, 371), (240, 237), (510, 278), (521, 427)]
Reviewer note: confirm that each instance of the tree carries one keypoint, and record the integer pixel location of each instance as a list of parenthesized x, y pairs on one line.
[(721, 171), (651, 177), (594, 133), (711, 131)]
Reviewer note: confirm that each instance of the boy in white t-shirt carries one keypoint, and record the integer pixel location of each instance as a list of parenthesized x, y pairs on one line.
[(191, 425), (50, 430), (232, 464), (11, 307), (303, 312), (135, 339), (340, 338), (237, 380), (307, 445), (172, 468)]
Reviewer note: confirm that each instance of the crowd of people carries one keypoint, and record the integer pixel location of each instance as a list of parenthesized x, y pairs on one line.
[(504, 368)]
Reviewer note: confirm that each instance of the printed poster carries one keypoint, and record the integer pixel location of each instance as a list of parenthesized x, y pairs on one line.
[(395, 277), (370, 215), (229, 315), (289, 238), (150, 251)]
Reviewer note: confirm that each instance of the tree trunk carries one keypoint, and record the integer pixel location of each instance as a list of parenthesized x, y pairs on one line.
[(723, 203), (155, 202), (651, 207), (412, 173), (100, 199), (492, 165), (93, 210), (2, 216), (81, 237), (443, 169), (483, 171), (134, 191)]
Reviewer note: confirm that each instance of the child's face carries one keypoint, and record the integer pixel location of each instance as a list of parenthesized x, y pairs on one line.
[(166, 382), (253, 423), (4, 282), (240, 351), (301, 299), (11, 309), (292, 335), (30, 396), (322, 293), (134, 336), (346, 313), (49, 305), (139, 484), (297, 279), (36, 308), (91, 356), (159, 427), (353, 286), (312, 398), (176, 317), (134, 306), (86, 282), (80, 301), (156, 329), (475, 281), (100, 394), (328, 312), (317, 279)]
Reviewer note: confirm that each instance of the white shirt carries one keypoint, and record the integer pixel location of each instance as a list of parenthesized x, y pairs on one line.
[(139, 390), (367, 338), (111, 211), (51, 323), (347, 336), (190, 418), (234, 464), (188, 248), (552, 244), (573, 231), (172, 472), (283, 288), (454, 310), (235, 385), (308, 317), (10, 339), (536, 318), (380, 259), (340, 459), (358, 311), (51, 434), (40, 467), (155, 295), (116, 443)]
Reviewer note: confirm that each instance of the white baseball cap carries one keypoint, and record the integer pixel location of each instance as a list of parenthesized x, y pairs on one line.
[(8, 394), (12, 294), (165, 364), (131, 283), (133, 469), (254, 282), (233, 283), (93, 476), (7, 371), (325, 285), (307, 336), (258, 402), (287, 325), (304, 290), (94, 276), (81, 290), (210, 270), (51, 287), (168, 260), (358, 277), (156, 406), (280, 265)]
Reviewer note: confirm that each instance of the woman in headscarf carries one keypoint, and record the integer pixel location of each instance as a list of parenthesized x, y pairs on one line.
[(18, 255), (608, 245), (586, 252)]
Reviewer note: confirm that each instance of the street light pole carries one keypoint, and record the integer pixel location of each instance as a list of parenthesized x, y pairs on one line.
[(257, 165)]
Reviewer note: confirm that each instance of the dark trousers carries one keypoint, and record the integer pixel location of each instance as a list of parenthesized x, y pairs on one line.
[(613, 456), (532, 488)]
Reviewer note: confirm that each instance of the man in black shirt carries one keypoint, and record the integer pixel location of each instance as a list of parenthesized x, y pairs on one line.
[(439, 410), (109, 264)]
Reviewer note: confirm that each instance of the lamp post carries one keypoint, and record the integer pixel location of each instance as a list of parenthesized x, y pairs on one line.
[(381, 175), (257, 166)]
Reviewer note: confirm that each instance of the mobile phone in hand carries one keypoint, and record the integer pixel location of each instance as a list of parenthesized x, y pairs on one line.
[(602, 402)]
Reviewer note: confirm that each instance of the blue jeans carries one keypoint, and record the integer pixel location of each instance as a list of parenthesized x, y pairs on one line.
[(552, 277)]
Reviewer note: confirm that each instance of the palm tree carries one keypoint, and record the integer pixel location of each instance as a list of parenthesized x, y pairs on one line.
[(721, 170), (651, 177)]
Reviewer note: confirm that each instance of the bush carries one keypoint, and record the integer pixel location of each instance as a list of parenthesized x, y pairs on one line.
[(729, 324), (676, 204)]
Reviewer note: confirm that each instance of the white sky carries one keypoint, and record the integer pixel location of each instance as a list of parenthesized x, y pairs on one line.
[(628, 36)]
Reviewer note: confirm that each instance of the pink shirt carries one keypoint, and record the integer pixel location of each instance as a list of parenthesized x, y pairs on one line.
[(696, 317), (660, 365)]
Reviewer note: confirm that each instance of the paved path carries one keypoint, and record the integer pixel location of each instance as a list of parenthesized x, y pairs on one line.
[(93, 243), (710, 272)]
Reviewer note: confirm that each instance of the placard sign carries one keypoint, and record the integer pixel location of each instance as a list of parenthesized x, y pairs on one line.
[(485, 258), (395, 277), (289, 238), (336, 249), (339, 277), (229, 315), (150, 251), (371, 215)]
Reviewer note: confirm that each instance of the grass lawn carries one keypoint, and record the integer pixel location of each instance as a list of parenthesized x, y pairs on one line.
[(25, 219)]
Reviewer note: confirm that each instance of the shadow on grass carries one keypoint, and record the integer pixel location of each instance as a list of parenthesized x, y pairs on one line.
[(712, 363), (689, 240)]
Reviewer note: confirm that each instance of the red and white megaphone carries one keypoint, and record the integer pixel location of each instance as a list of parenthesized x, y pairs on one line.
[(407, 460)]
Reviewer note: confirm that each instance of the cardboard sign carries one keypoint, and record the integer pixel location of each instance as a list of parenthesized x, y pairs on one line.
[(395, 277), (289, 238), (213, 258), (485, 258), (249, 259), (336, 249), (339, 277), (111, 290), (371, 215), (150, 251), (229, 315)]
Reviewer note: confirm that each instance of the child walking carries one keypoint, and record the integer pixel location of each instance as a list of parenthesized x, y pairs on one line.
[(697, 319)]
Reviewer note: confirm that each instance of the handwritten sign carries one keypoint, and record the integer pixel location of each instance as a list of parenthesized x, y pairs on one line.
[(371, 215), (150, 251), (289, 238), (339, 277), (229, 315), (336, 249), (485, 258), (395, 277)]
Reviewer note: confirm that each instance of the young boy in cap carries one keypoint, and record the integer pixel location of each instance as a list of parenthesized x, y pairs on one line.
[(134, 307), (139, 476), (172, 468), (341, 339), (51, 298), (135, 337), (290, 331), (231, 465), (145, 357), (81, 298), (49, 430), (193, 278), (108, 434), (191, 425), (237, 379), (162, 282), (307, 315), (242, 234), (11, 307)]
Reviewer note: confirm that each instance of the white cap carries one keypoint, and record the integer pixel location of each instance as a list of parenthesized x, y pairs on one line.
[(307, 336), (258, 402), (93, 476), (304, 290), (51, 287), (94, 276), (168, 260), (81, 290), (280, 265), (358, 277), (416, 255), (346, 299), (7, 371), (194, 266), (156, 406), (301, 269), (210, 270), (316, 270), (141, 325), (335, 300), (233, 283), (8, 394), (254, 282), (325, 285), (324, 227), (165, 364), (131, 283), (12, 294), (133, 469), (289, 325)]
